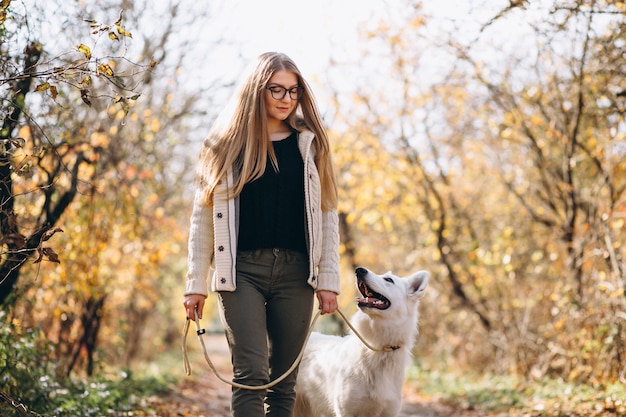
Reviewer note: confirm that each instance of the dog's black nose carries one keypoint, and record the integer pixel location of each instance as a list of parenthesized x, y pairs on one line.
[(360, 271)]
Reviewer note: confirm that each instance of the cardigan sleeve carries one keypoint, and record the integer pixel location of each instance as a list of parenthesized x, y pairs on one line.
[(200, 247), (329, 277)]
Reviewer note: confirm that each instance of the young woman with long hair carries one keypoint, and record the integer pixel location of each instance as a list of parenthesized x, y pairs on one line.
[(265, 220)]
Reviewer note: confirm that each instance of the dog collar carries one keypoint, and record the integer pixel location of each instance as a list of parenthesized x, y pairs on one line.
[(390, 348)]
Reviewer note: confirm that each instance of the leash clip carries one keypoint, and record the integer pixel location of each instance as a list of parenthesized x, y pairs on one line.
[(390, 348)]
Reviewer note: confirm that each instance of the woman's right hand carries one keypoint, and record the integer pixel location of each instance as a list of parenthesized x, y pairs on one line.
[(192, 303)]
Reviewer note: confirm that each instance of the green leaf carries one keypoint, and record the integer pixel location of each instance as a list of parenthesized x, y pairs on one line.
[(119, 81)]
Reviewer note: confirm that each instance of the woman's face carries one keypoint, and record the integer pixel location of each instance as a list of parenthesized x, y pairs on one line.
[(278, 95)]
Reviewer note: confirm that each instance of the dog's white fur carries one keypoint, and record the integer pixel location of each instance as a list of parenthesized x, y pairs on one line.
[(341, 377)]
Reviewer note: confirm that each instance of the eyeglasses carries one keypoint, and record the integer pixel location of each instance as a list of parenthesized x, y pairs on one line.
[(279, 92)]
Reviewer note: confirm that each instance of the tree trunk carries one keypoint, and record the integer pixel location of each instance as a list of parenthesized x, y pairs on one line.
[(16, 256), (90, 322)]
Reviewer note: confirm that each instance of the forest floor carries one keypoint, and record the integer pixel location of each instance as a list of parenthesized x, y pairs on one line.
[(203, 395)]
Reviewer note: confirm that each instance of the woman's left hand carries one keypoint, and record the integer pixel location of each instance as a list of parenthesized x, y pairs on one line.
[(328, 301)]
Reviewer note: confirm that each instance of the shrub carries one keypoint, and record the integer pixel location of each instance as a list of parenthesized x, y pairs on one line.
[(29, 379)]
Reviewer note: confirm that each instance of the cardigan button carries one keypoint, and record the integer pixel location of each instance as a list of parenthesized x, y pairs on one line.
[(223, 280), (220, 215), (220, 248)]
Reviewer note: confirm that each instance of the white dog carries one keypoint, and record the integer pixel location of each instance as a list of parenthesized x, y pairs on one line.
[(340, 376)]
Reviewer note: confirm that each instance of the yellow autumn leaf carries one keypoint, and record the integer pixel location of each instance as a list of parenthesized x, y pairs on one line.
[(123, 32), (85, 50), (113, 36), (86, 81), (42, 87), (17, 325), (106, 69)]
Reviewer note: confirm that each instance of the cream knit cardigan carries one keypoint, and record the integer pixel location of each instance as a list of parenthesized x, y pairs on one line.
[(213, 235)]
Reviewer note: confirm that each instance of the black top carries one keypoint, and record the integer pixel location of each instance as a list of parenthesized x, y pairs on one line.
[(272, 207)]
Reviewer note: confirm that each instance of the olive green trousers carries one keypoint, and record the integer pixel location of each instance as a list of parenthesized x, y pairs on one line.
[(266, 320)]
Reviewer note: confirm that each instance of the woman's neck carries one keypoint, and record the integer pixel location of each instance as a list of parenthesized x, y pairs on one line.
[(278, 131)]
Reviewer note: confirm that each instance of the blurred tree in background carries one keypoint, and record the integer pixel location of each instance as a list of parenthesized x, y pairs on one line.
[(96, 173), (94, 145), (505, 174)]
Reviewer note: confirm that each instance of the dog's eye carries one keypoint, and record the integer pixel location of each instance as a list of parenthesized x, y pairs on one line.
[(389, 279)]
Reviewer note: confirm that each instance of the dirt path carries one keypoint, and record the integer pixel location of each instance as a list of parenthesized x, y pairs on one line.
[(203, 395)]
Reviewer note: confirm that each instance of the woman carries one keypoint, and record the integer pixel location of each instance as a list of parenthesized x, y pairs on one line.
[(265, 218)]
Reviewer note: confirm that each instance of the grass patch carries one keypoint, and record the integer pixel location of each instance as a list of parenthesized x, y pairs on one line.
[(512, 396)]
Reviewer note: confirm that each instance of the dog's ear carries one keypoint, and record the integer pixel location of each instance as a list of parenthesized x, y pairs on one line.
[(418, 283)]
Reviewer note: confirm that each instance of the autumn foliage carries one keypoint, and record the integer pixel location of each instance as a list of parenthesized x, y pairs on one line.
[(506, 177), (498, 163)]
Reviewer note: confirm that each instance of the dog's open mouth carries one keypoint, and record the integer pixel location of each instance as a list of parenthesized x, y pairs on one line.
[(371, 298)]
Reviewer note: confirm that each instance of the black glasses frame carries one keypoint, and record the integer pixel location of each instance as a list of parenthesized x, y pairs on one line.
[(279, 92)]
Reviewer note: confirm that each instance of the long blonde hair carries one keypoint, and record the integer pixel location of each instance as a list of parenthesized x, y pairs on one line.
[(240, 139)]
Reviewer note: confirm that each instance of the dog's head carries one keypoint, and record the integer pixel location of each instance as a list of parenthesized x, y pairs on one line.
[(383, 292)]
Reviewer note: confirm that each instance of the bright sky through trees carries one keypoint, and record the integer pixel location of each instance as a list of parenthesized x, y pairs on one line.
[(307, 31), (311, 31), (314, 33)]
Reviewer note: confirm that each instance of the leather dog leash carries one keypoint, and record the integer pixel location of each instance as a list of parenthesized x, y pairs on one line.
[(200, 332)]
